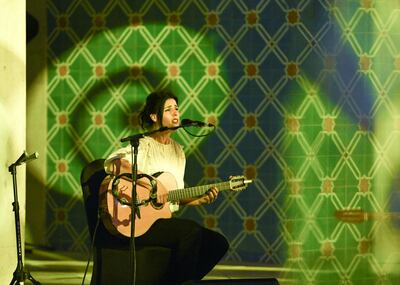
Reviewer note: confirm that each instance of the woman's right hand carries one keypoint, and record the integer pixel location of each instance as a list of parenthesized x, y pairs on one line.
[(162, 193)]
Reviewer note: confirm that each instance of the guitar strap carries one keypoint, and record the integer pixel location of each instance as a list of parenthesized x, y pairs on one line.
[(158, 173)]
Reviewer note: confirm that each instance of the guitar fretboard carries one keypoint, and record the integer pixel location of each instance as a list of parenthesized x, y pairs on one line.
[(191, 192)]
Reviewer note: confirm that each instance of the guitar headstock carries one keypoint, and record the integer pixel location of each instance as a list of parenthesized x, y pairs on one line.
[(238, 183)]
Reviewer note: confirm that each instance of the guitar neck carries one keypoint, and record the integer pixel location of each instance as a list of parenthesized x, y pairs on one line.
[(196, 191)]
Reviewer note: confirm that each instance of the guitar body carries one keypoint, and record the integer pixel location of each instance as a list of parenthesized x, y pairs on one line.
[(116, 216), (116, 192)]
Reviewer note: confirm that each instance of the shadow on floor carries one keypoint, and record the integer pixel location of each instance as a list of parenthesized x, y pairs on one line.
[(58, 268)]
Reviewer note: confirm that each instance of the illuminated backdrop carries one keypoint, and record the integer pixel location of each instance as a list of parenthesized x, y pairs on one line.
[(305, 96)]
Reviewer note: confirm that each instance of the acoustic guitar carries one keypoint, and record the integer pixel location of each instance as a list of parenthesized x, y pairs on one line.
[(115, 199)]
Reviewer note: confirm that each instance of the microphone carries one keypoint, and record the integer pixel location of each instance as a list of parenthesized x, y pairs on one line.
[(33, 156), (24, 158), (192, 123)]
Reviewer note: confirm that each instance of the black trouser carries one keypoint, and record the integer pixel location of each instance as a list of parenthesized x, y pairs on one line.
[(195, 249)]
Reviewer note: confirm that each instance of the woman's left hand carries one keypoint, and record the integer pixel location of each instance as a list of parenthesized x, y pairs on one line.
[(210, 196)]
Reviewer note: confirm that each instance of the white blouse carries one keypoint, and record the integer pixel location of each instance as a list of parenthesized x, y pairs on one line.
[(153, 157)]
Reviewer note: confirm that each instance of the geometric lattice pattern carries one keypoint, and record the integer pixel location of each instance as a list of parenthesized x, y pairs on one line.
[(305, 96)]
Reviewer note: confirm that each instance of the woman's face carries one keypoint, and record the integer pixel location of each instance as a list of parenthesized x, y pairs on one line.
[(170, 114)]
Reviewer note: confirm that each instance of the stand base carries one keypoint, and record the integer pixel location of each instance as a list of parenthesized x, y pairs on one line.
[(20, 276)]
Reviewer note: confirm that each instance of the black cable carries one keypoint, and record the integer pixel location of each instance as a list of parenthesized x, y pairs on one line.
[(91, 248), (199, 136)]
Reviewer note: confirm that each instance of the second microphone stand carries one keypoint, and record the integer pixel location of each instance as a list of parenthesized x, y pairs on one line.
[(20, 274)]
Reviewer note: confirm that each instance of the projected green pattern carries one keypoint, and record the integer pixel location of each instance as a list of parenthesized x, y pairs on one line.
[(304, 97)]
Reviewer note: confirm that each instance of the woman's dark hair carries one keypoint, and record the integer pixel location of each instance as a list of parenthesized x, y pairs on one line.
[(154, 105)]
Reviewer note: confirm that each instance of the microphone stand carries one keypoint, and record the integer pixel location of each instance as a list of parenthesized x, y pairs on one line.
[(20, 275), (135, 211)]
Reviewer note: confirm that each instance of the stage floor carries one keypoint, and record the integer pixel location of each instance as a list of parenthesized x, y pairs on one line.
[(59, 268)]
